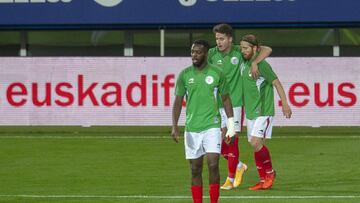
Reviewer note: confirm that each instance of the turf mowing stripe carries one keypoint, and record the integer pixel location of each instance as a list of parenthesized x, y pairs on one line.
[(157, 137), (182, 197)]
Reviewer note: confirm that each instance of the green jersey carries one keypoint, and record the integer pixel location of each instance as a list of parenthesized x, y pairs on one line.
[(229, 63), (202, 88), (258, 94)]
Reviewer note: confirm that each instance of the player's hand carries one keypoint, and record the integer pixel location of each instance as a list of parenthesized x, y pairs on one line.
[(286, 110), (175, 133), (254, 71), (229, 140), (226, 139), (230, 133)]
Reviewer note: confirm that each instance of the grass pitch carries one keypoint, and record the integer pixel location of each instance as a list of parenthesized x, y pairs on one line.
[(137, 164)]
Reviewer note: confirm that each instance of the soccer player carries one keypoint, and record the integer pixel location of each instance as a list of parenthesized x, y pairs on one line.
[(202, 83), (259, 109), (228, 58)]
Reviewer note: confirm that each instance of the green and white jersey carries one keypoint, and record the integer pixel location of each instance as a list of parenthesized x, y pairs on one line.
[(230, 64), (258, 94), (202, 88)]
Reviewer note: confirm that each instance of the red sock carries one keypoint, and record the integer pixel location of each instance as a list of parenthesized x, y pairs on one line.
[(233, 158), (259, 165), (265, 156), (197, 193), (232, 163), (214, 192)]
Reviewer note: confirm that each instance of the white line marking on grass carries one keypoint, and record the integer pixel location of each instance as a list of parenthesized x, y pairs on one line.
[(317, 137), (80, 137), (181, 197), (156, 137)]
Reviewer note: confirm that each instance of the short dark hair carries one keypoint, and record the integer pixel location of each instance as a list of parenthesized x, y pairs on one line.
[(251, 39), (203, 43), (224, 29)]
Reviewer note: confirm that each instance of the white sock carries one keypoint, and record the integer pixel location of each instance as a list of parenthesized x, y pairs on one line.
[(240, 164), (231, 179)]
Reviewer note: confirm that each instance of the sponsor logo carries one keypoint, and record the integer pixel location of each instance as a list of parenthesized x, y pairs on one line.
[(188, 3), (108, 3), (219, 62), (209, 80), (105, 3), (33, 1), (191, 81)]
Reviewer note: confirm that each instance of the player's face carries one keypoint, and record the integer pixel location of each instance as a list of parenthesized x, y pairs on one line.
[(198, 55), (223, 42), (247, 50)]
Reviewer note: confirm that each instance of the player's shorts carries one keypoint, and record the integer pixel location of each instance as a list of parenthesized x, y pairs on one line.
[(260, 127), (238, 118), (198, 144)]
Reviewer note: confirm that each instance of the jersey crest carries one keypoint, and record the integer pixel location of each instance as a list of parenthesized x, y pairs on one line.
[(234, 60), (209, 80)]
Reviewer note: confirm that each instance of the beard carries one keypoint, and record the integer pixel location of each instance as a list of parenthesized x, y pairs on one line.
[(248, 56), (199, 62)]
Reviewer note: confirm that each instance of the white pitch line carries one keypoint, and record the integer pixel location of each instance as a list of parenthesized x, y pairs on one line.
[(80, 137), (183, 197), (158, 137)]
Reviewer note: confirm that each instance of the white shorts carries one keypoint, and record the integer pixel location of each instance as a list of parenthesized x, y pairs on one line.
[(198, 144), (238, 118), (260, 127)]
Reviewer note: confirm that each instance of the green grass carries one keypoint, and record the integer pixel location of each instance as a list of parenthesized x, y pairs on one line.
[(49, 161)]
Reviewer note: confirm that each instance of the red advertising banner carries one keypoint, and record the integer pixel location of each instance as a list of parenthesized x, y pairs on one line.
[(140, 91)]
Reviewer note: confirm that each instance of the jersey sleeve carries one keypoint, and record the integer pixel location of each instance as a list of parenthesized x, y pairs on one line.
[(267, 72), (180, 85), (223, 85)]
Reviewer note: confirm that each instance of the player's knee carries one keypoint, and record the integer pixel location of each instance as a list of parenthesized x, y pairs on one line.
[(213, 167), (256, 143), (196, 170)]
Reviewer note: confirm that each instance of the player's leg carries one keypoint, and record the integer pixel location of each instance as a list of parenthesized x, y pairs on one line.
[(231, 151), (256, 143), (212, 142), (214, 176), (194, 153), (196, 166), (228, 185), (236, 164), (262, 128)]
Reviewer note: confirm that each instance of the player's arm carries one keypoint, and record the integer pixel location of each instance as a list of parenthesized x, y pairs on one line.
[(176, 111), (264, 52), (280, 90), (229, 136)]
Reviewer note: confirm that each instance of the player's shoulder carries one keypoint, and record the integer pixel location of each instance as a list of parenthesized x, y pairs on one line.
[(212, 51), (236, 52), (236, 47), (216, 69), (187, 69), (264, 64)]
